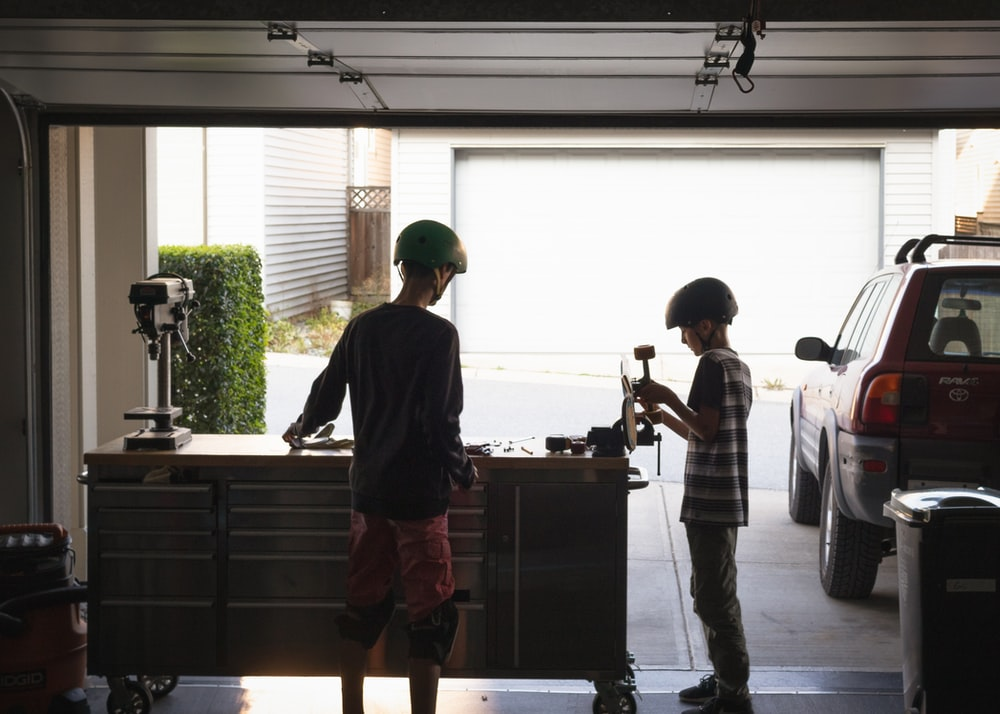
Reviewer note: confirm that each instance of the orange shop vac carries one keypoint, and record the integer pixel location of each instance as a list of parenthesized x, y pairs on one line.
[(43, 633)]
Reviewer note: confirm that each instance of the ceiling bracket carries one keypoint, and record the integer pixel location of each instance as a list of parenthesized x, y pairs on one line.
[(281, 31), (321, 59), (727, 37)]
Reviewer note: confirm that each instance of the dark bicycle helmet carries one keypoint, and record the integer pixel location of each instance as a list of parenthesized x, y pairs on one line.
[(431, 244), (704, 298)]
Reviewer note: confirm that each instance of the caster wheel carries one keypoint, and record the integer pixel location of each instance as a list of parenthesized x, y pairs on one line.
[(159, 686), (626, 704), (132, 698)]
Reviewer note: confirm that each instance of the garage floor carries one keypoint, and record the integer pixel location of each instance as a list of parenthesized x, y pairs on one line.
[(808, 652)]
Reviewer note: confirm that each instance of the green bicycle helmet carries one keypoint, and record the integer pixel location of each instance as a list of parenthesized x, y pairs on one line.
[(431, 244), (704, 298)]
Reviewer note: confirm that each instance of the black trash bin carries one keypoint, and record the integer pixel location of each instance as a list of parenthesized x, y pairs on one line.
[(948, 542)]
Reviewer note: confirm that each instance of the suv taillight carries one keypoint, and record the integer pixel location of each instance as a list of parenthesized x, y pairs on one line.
[(880, 404)]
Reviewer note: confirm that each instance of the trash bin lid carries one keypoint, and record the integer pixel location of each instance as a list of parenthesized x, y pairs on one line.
[(925, 505)]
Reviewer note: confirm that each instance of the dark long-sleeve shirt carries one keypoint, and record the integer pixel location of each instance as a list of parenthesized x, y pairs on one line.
[(401, 364)]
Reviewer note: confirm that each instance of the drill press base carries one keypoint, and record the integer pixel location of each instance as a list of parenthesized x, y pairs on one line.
[(156, 440), (163, 435)]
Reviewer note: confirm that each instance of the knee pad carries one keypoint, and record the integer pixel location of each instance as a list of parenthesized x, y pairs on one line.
[(365, 624), (433, 637)]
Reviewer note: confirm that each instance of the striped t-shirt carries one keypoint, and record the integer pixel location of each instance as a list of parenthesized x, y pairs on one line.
[(716, 473)]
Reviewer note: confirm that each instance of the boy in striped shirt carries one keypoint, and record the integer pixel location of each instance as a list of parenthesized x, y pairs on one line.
[(715, 503)]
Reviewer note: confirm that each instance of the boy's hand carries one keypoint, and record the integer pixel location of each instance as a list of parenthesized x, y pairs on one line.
[(293, 435), (470, 483), (653, 393)]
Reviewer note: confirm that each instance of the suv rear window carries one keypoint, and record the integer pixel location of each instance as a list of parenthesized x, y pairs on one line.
[(958, 319)]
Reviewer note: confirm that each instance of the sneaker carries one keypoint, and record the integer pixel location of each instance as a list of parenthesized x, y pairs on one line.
[(701, 692), (721, 706)]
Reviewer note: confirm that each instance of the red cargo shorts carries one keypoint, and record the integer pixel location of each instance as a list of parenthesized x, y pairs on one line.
[(420, 549)]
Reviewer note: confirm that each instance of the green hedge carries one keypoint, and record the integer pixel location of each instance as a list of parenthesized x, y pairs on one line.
[(224, 391)]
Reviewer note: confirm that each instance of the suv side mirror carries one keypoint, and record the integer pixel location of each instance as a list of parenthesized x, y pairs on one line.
[(813, 349)]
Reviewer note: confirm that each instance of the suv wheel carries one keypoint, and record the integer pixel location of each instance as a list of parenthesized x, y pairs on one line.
[(849, 551), (803, 491)]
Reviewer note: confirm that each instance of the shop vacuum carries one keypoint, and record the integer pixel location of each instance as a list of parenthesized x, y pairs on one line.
[(43, 633)]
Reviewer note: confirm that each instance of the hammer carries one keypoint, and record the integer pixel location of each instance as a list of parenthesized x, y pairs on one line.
[(645, 353)]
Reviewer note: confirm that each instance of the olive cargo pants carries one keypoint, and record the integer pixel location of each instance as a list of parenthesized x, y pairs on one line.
[(713, 587)]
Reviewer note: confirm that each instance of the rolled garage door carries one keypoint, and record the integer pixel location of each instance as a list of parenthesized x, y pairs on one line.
[(578, 250)]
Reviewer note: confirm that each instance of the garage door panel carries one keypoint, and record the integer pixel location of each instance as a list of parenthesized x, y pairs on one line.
[(584, 247)]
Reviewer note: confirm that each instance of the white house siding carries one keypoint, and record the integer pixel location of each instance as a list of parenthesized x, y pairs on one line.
[(794, 220), (180, 185), (380, 159), (306, 226), (909, 190), (234, 181), (372, 162)]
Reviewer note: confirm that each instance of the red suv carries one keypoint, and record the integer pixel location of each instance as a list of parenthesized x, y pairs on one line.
[(908, 396)]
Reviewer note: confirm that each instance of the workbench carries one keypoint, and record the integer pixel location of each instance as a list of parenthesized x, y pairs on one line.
[(228, 555)]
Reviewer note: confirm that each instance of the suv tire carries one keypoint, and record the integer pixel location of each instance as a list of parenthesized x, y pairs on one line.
[(803, 490), (849, 550)]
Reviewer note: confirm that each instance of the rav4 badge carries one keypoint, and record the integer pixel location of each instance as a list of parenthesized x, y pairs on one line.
[(963, 381)]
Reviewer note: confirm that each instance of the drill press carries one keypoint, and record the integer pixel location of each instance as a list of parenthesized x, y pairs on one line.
[(162, 304)]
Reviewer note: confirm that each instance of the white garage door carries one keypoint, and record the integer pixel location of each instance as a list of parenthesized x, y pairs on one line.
[(584, 247)]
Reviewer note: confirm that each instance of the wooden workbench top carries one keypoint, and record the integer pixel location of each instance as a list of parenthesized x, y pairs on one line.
[(270, 450)]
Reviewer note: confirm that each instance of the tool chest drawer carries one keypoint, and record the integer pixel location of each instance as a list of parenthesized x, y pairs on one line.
[(153, 634), (286, 575), (166, 573), (289, 494), (118, 541), (244, 540), (288, 517), (151, 520), (464, 542), (132, 496), (467, 518)]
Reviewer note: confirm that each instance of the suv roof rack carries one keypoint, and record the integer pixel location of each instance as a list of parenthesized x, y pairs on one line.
[(920, 245)]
